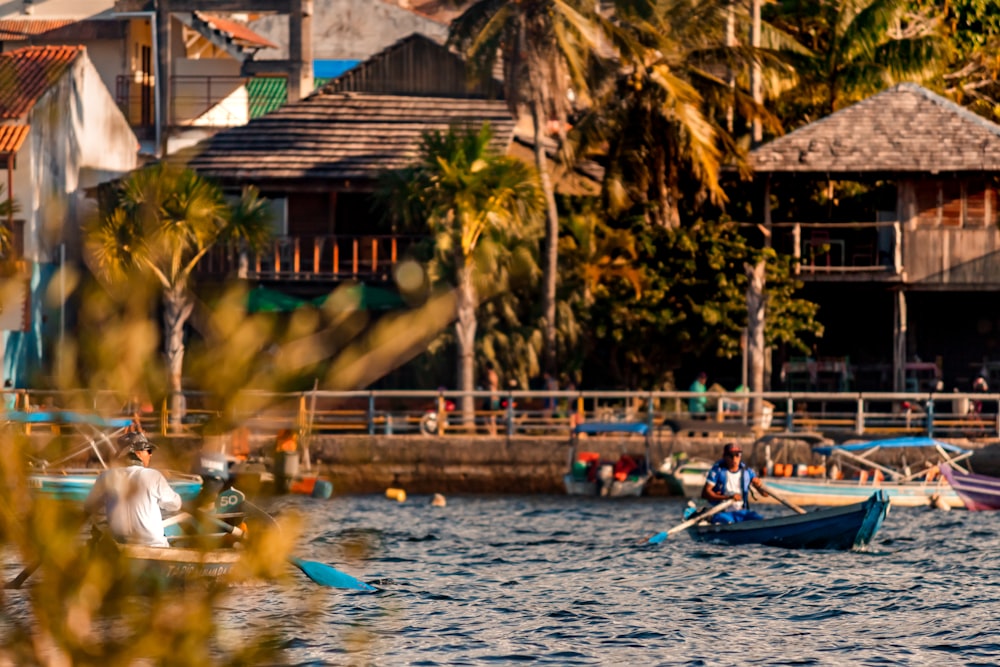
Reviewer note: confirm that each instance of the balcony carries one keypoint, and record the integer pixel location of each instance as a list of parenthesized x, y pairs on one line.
[(317, 258), (846, 251)]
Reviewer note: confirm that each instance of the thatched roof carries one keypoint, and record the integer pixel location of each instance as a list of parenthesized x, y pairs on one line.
[(905, 129)]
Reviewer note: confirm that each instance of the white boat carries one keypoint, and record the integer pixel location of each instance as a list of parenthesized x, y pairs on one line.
[(686, 474), (906, 489)]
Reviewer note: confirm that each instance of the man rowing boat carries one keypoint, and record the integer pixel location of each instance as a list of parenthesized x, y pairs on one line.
[(731, 479), (133, 495)]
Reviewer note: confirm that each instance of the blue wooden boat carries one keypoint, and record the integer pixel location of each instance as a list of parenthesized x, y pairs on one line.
[(835, 528)]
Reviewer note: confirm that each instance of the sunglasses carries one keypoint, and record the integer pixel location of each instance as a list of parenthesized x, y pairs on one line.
[(733, 454)]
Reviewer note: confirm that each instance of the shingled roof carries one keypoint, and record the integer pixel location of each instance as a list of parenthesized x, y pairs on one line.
[(340, 136), (904, 129)]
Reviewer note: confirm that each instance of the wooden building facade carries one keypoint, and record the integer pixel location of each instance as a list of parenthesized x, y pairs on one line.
[(941, 236)]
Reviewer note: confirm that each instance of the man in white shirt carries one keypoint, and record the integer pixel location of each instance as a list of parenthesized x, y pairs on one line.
[(133, 495)]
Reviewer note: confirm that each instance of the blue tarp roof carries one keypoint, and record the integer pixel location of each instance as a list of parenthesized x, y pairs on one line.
[(891, 443), (593, 428), (65, 417)]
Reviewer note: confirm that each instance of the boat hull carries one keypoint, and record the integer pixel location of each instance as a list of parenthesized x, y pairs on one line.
[(836, 528), (834, 493), (158, 568), (616, 489), (978, 492), (75, 484)]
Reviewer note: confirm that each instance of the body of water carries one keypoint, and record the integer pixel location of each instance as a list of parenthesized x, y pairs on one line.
[(558, 580), (570, 581)]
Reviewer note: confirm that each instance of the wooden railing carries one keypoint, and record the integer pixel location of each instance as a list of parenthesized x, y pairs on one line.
[(863, 248), (317, 258), (552, 414)]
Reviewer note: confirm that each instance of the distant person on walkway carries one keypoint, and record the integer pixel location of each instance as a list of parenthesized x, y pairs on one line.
[(551, 384), (731, 479), (982, 407), (133, 495), (697, 405), (493, 401)]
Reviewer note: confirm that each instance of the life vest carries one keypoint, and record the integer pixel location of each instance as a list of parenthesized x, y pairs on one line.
[(719, 472)]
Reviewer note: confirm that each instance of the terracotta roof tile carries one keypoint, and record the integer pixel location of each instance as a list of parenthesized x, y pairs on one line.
[(13, 30), (341, 136), (237, 31), (906, 128), (28, 72), (11, 138)]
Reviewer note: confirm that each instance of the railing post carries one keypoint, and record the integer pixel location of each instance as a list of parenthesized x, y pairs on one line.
[(296, 257), (510, 413), (371, 413), (649, 412), (797, 247), (336, 257), (859, 419), (355, 265), (897, 254), (930, 418), (789, 414)]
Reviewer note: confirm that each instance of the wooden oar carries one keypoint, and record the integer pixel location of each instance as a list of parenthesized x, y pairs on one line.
[(17, 581), (320, 573), (661, 536), (784, 501)]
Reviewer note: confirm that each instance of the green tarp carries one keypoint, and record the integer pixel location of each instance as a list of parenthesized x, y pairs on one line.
[(265, 300)]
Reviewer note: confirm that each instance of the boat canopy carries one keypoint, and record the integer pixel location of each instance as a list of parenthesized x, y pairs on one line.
[(593, 428), (892, 443), (65, 417)]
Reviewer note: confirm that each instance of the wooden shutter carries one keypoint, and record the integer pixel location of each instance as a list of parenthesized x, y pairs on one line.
[(928, 202)]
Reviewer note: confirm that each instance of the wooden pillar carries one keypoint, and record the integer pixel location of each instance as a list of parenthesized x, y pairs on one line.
[(300, 51), (899, 342), (163, 71)]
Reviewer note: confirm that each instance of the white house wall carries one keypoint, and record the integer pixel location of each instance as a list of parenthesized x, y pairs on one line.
[(55, 8), (78, 139)]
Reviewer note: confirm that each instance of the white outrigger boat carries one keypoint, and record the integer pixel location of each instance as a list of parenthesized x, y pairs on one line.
[(923, 488)]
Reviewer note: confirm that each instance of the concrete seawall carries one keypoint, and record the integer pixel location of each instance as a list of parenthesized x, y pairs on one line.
[(371, 464), (367, 464)]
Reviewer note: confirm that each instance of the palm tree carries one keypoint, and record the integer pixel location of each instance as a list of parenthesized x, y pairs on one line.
[(479, 206), (855, 48), (544, 46), (161, 221)]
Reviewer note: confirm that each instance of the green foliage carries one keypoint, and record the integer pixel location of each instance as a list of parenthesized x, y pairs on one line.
[(692, 302), (856, 49)]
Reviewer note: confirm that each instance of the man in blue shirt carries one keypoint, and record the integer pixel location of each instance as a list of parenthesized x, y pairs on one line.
[(731, 479)]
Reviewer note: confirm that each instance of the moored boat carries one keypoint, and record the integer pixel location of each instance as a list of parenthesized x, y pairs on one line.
[(906, 489), (73, 484), (978, 492), (588, 475), (835, 528), (94, 436)]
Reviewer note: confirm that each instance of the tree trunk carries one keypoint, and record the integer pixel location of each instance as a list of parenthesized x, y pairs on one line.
[(177, 306), (551, 239), (755, 334), (465, 336)]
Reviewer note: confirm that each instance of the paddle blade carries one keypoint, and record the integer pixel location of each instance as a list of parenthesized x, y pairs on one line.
[(659, 537), (326, 575)]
